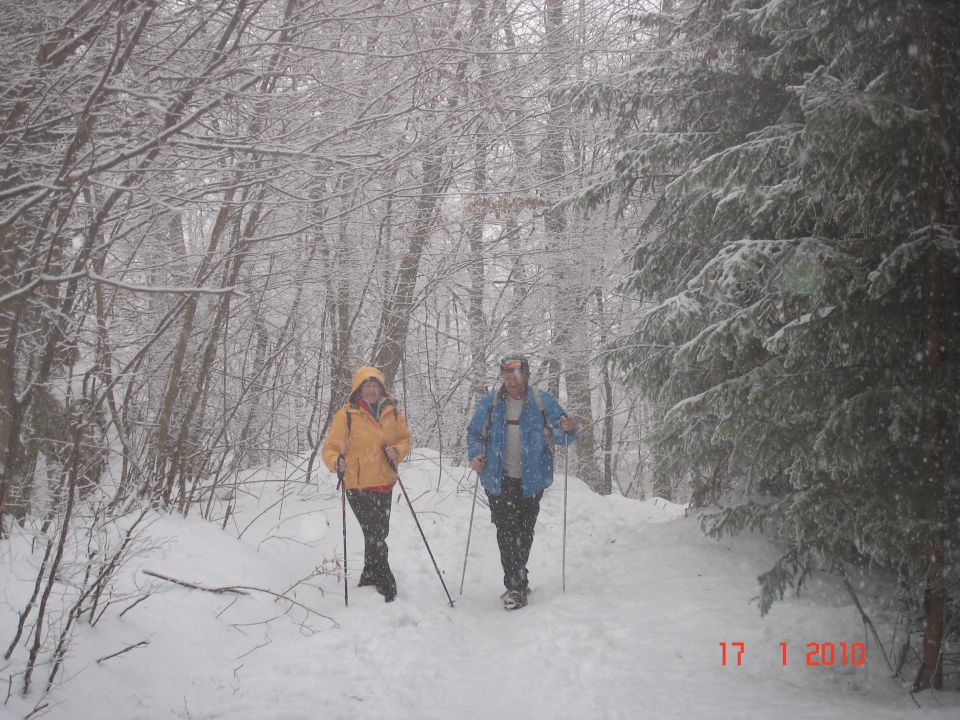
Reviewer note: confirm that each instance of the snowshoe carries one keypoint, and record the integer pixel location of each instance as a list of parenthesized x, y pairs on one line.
[(514, 599)]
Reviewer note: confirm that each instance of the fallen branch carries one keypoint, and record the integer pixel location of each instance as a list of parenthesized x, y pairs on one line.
[(241, 590), (121, 652), (184, 583)]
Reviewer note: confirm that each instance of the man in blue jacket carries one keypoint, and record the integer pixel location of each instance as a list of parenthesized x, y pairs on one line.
[(510, 443)]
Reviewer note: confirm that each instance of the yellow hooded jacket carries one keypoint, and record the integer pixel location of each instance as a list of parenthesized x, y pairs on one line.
[(362, 445)]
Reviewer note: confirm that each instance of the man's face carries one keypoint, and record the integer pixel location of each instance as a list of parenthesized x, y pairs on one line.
[(370, 391), (515, 381)]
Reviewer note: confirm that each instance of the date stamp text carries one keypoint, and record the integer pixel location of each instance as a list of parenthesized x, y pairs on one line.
[(815, 654)]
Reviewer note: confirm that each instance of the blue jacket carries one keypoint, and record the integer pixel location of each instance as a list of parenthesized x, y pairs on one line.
[(535, 456)]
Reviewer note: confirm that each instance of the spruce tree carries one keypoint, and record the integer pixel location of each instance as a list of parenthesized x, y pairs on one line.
[(801, 261)]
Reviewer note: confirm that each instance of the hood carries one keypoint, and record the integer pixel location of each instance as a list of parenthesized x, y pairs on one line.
[(364, 373)]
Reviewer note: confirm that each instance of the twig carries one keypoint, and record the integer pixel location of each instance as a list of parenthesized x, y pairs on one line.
[(281, 596), (317, 572), (425, 492), (239, 626), (863, 615), (132, 605), (228, 606), (121, 652), (253, 649), (41, 707)]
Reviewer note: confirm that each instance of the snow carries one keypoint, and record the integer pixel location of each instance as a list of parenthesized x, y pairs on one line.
[(637, 633)]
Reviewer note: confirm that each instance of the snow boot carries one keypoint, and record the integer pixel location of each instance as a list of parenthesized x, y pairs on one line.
[(514, 599), (387, 586)]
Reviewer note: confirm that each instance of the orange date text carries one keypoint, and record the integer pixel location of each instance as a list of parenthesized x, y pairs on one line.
[(815, 654)]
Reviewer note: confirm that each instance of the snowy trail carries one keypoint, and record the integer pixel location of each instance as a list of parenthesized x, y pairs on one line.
[(637, 633)]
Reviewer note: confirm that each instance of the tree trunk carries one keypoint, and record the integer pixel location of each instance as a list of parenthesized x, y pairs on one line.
[(572, 346), (175, 377), (477, 271), (475, 316), (930, 674), (606, 485), (392, 333)]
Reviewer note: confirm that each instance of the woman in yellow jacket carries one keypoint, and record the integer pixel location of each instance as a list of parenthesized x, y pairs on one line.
[(367, 427)]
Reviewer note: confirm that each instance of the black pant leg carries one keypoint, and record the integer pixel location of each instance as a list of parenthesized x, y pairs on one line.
[(372, 510), (529, 510), (515, 517), (502, 516)]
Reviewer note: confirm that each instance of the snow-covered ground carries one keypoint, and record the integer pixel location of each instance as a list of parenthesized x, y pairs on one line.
[(637, 634)]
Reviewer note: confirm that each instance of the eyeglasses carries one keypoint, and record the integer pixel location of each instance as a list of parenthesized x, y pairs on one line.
[(511, 365)]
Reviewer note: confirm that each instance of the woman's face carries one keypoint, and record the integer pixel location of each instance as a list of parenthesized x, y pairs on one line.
[(370, 391)]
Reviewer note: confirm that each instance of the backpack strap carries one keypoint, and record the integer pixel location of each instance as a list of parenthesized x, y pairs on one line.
[(539, 401), (499, 395), (547, 434), (387, 403)]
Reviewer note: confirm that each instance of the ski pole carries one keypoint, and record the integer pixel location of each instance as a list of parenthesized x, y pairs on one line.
[(473, 507), (563, 571), (343, 517), (396, 474)]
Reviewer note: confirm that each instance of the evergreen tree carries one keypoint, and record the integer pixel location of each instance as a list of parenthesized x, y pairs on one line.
[(801, 258)]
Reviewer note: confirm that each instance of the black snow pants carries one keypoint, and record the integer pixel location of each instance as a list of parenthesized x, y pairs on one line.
[(372, 510), (515, 517)]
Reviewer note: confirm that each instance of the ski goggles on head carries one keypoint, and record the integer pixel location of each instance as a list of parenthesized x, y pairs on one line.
[(514, 364)]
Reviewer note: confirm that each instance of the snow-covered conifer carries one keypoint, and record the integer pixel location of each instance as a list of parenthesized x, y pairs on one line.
[(801, 264)]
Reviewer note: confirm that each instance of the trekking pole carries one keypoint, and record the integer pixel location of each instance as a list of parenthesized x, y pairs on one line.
[(563, 571), (473, 507), (396, 474), (343, 517)]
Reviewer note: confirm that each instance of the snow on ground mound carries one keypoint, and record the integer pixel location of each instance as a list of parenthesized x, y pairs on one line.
[(636, 633)]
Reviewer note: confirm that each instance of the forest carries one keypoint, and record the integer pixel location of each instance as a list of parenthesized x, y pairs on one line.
[(726, 232)]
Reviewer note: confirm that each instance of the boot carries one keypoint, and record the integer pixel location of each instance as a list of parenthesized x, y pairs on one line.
[(514, 599), (387, 586)]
